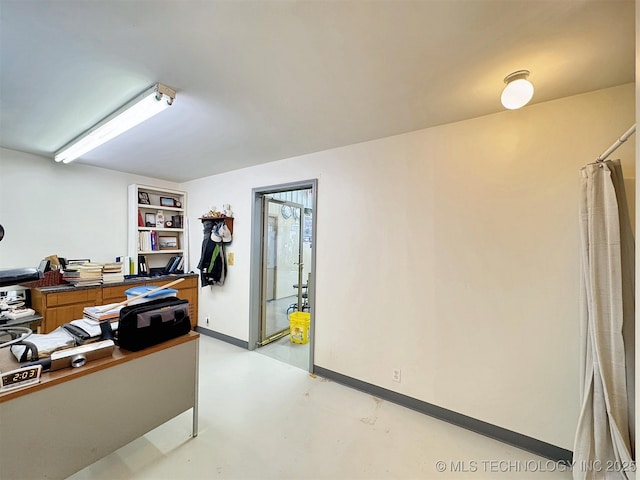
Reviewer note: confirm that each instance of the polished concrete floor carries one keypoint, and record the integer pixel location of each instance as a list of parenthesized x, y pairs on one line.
[(262, 418), (278, 314), (295, 354)]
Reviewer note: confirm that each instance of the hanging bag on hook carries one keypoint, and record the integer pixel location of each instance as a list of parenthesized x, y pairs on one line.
[(225, 233), (215, 232)]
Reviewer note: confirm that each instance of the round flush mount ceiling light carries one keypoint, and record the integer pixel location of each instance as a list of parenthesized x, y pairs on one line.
[(518, 91)]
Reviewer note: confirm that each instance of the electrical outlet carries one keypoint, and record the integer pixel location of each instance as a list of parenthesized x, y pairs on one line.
[(396, 376), (231, 258)]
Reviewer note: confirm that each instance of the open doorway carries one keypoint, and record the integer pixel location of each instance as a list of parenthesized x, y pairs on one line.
[(283, 271), (285, 263)]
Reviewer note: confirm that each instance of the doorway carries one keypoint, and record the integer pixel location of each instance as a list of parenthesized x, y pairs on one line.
[(282, 269)]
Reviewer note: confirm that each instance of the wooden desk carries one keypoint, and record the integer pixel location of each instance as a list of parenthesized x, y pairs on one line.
[(76, 416), (63, 303)]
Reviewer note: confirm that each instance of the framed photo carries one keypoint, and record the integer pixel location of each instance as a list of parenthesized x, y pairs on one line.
[(168, 242), (143, 198), (167, 202), (149, 219), (176, 220)]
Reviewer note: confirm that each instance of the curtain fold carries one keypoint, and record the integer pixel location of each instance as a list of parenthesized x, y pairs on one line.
[(605, 433)]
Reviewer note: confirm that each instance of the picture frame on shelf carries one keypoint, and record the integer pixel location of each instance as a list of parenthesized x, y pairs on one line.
[(167, 202), (176, 220), (169, 242), (149, 219), (143, 198)]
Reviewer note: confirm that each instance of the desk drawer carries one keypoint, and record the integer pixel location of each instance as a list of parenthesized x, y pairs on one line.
[(88, 296), (116, 294)]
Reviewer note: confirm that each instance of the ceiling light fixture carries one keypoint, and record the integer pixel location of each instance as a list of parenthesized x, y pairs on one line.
[(153, 100), (518, 91)]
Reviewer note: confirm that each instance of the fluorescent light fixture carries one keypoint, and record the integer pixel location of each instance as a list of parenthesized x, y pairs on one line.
[(519, 90), (153, 100)]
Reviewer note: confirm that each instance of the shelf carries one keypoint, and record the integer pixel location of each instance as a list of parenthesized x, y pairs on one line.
[(227, 220), (155, 252), (149, 229), (160, 207), (156, 199)]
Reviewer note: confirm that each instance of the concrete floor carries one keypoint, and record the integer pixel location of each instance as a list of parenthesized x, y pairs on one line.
[(262, 418), (283, 349)]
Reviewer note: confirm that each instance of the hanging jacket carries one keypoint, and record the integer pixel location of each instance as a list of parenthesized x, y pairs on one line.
[(212, 265)]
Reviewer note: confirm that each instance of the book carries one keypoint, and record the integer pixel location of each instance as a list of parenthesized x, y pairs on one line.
[(94, 313), (112, 277), (83, 274), (169, 264), (174, 264)]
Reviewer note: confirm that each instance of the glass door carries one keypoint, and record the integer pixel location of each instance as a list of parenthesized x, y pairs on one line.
[(282, 267)]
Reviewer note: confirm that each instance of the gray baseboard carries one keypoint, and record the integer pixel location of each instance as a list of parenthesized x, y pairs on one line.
[(221, 336), (524, 442)]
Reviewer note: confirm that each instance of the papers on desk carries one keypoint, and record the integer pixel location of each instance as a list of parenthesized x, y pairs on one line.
[(59, 339), (45, 343), (95, 314), (92, 327)]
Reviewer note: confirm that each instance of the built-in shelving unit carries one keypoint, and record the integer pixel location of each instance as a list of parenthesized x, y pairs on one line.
[(157, 228)]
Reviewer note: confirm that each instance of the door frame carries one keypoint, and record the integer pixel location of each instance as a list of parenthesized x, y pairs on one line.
[(255, 272)]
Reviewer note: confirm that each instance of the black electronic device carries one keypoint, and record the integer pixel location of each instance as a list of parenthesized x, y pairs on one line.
[(16, 276)]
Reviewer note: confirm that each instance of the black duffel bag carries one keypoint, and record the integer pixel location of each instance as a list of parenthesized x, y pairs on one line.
[(153, 322)]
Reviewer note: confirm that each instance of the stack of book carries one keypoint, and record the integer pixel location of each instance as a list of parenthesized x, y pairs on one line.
[(83, 275), (148, 241), (175, 265), (112, 272), (98, 314)]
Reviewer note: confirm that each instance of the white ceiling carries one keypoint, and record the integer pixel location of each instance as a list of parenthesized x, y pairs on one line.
[(259, 81)]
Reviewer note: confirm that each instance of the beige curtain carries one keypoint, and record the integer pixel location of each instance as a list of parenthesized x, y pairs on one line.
[(605, 434)]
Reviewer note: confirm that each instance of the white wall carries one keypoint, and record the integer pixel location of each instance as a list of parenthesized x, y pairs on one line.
[(450, 252), (72, 211)]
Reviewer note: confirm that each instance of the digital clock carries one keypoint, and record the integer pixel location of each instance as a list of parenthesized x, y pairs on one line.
[(20, 377)]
